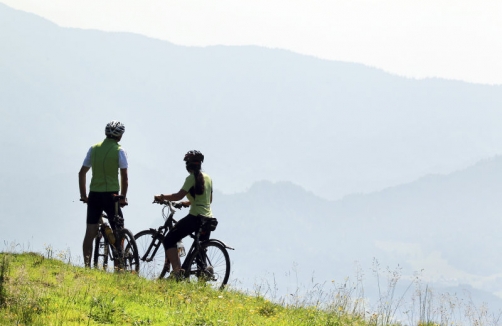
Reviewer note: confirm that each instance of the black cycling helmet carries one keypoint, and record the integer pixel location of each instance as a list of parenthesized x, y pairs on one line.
[(114, 129), (193, 156)]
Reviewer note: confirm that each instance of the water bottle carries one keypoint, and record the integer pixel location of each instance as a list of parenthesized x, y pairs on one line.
[(109, 234), (181, 248)]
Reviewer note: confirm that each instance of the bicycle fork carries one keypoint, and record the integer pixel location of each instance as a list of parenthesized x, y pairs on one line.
[(155, 244)]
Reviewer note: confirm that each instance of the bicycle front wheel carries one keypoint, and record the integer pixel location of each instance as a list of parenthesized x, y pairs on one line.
[(151, 252), (128, 261), (101, 252), (211, 264)]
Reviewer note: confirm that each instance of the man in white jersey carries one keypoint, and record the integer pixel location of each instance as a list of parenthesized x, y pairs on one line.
[(106, 159)]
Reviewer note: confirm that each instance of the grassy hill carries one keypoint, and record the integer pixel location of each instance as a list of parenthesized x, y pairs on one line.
[(47, 289)]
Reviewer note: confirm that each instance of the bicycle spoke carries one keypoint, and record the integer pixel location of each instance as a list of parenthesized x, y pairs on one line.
[(212, 265)]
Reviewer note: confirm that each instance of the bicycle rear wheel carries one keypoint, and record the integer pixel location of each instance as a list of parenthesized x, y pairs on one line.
[(210, 265), (152, 265), (101, 252), (130, 260)]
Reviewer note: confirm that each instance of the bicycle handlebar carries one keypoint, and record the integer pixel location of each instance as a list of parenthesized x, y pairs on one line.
[(115, 198), (171, 204), (118, 198), (162, 202)]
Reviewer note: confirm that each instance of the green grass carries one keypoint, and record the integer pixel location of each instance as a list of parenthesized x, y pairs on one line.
[(39, 290)]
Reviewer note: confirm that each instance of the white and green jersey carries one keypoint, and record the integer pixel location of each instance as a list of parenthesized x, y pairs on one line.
[(105, 159)]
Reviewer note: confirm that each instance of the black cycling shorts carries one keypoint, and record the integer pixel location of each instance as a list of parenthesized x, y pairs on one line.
[(99, 202), (184, 227)]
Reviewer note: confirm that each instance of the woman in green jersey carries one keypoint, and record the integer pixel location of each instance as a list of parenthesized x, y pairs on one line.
[(198, 188)]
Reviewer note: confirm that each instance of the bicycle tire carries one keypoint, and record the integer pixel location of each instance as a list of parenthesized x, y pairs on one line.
[(130, 261), (214, 254), (101, 252), (150, 269)]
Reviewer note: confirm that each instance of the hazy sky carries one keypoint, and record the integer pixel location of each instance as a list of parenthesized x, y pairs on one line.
[(453, 39)]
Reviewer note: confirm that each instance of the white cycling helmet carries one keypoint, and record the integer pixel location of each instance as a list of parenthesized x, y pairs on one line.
[(114, 129)]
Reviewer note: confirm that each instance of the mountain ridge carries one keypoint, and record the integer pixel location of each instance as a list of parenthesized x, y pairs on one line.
[(243, 96)]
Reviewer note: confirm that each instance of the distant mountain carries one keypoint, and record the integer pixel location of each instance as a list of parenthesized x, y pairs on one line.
[(444, 227), (458, 213), (260, 114)]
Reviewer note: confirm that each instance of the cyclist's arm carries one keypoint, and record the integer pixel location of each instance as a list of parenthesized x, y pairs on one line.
[(82, 183), (172, 197), (124, 184), (187, 203)]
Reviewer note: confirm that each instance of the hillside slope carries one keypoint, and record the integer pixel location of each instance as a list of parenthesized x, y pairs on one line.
[(35, 290)]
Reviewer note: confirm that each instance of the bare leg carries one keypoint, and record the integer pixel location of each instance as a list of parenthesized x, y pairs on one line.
[(172, 254), (90, 234)]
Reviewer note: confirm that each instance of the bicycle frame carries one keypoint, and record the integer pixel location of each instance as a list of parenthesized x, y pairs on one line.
[(195, 248), (115, 250), (161, 232), (123, 251), (118, 221), (198, 260)]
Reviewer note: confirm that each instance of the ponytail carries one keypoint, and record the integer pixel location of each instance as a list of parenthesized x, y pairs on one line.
[(198, 189)]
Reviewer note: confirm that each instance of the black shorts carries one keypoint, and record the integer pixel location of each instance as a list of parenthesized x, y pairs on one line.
[(99, 202), (184, 227)]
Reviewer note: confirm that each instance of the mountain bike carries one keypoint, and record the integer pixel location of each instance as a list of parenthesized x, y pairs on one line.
[(206, 260), (117, 245)]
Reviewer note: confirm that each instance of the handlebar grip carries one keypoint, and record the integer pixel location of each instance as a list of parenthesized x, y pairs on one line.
[(118, 197)]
